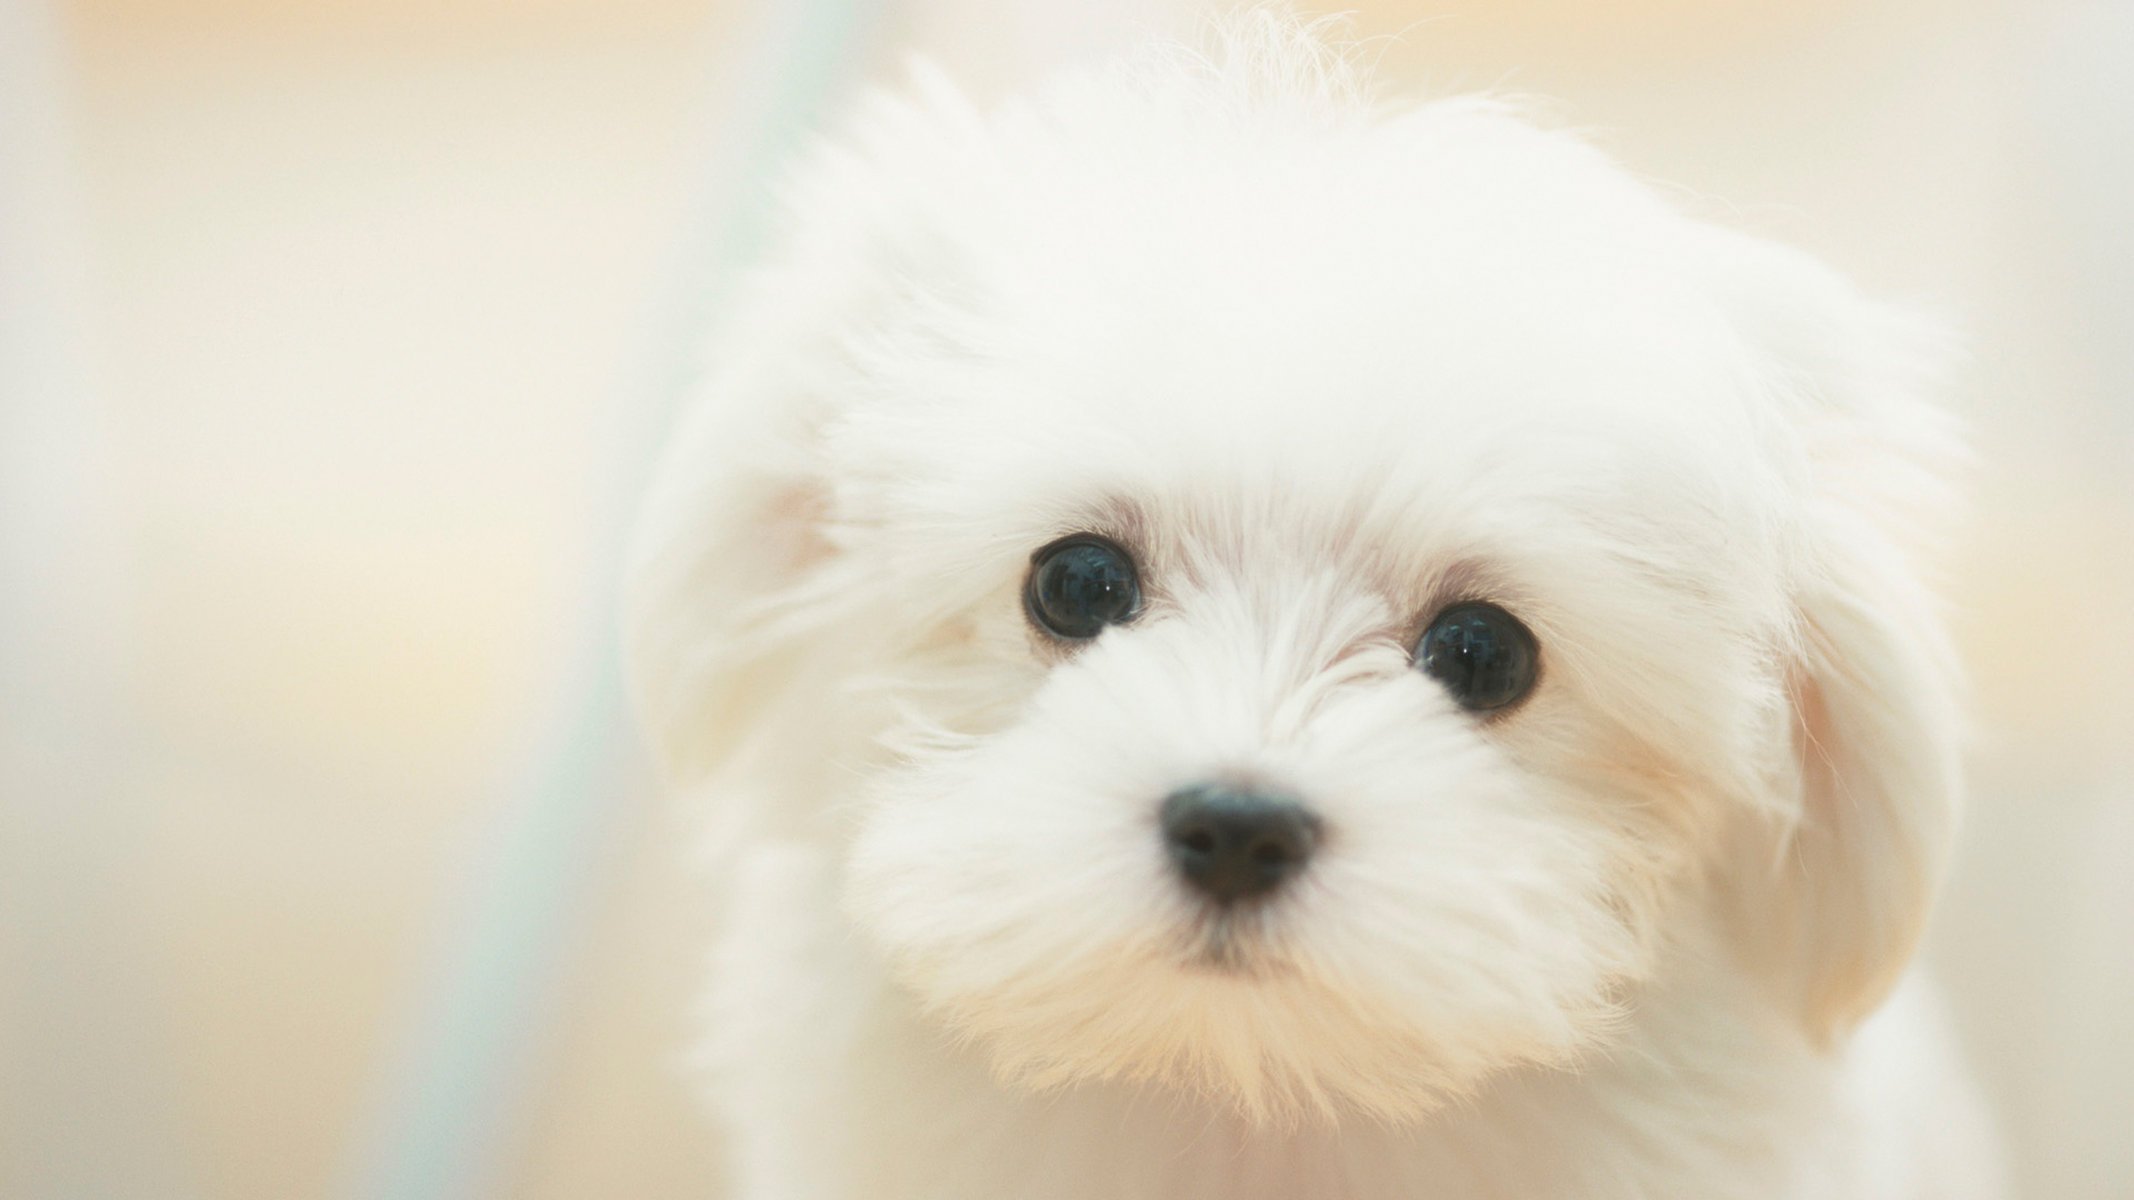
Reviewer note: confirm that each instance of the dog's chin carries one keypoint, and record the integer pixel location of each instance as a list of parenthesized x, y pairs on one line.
[(1222, 1008), (1232, 940)]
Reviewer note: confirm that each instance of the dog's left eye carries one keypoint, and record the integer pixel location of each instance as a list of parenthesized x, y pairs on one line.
[(1483, 655), (1080, 584)]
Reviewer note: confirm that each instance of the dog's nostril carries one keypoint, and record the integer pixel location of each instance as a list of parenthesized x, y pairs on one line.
[(1233, 843)]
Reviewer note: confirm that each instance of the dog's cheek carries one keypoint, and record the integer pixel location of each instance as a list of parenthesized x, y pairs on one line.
[(997, 868), (1496, 931)]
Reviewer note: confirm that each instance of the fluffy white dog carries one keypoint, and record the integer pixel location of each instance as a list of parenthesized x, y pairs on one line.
[(1253, 642)]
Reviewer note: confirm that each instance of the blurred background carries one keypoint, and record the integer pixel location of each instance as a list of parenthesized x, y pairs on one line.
[(333, 339)]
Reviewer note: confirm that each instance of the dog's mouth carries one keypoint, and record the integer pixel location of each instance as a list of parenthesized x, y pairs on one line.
[(1236, 940)]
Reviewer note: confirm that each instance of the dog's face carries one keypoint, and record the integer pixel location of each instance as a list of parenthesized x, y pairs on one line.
[(1457, 576), (1310, 616)]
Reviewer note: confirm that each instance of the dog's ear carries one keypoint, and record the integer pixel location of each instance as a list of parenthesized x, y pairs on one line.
[(731, 535), (745, 592), (1836, 881)]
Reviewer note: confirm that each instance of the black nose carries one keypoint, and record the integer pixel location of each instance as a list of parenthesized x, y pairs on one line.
[(1233, 842)]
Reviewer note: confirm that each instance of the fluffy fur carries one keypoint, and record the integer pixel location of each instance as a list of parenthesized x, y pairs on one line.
[(1325, 364)]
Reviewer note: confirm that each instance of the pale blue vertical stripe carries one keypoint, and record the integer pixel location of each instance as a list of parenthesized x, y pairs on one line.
[(444, 1128)]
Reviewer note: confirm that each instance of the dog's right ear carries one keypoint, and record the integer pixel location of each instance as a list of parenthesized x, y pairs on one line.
[(732, 532), (743, 579)]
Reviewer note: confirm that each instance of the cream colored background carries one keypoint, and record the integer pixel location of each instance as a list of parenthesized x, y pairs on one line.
[(365, 285)]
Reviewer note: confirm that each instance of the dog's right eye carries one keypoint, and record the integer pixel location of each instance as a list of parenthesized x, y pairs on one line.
[(1080, 584)]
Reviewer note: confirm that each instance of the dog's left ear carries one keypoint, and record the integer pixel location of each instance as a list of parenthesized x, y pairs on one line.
[(1835, 886)]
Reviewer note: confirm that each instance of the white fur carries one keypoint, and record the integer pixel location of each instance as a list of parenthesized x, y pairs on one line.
[(1325, 364)]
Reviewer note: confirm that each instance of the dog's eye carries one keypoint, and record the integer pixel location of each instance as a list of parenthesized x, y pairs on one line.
[(1482, 654), (1080, 584)]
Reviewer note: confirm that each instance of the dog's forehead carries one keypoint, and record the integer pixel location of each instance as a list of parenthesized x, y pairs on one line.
[(1381, 375), (1461, 319), (1383, 383)]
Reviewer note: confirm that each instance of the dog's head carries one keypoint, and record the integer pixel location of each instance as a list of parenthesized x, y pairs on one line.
[(1302, 602)]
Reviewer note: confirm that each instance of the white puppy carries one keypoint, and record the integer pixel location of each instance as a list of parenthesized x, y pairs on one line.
[(1256, 643)]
